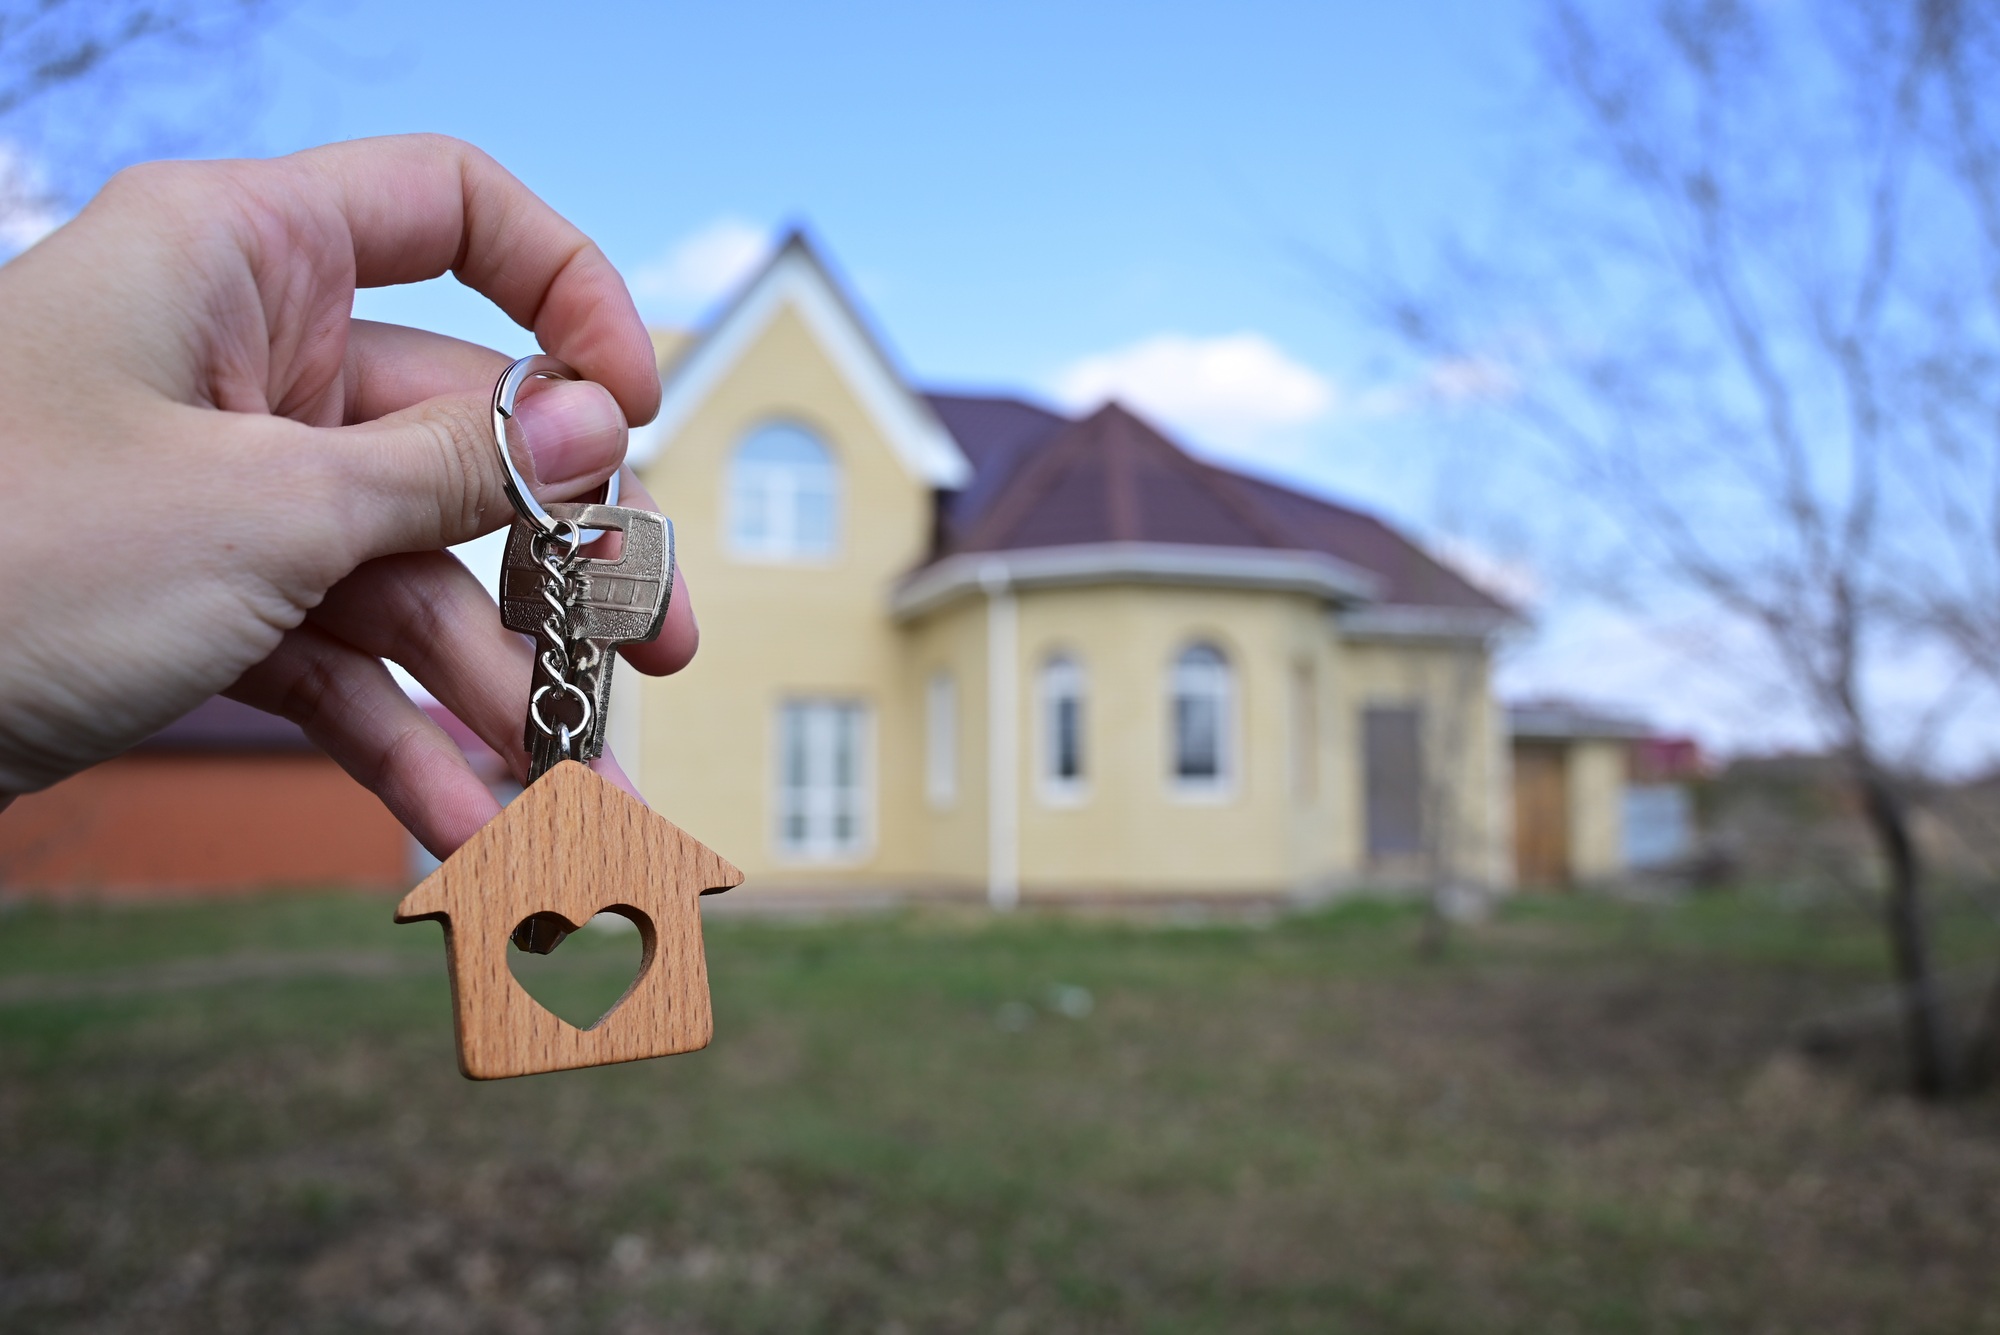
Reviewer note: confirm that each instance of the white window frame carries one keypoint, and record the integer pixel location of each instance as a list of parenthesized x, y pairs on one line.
[(818, 850), (941, 740), (1222, 785), (1062, 677), (780, 490)]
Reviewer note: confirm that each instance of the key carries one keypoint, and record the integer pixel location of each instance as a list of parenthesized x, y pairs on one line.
[(622, 601)]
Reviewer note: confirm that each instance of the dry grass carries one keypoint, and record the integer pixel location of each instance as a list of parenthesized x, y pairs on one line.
[(1589, 1118)]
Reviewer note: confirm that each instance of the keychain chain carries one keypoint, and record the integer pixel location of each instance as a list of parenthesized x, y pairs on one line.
[(570, 660)]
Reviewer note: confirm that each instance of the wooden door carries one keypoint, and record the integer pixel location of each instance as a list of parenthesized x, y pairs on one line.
[(1541, 814)]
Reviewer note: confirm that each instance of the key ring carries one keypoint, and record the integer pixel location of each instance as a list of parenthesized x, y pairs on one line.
[(538, 367)]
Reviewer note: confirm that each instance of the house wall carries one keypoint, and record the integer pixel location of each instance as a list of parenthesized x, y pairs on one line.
[(1466, 814), (1596, 810), (184, 823), (953, 842), (707, 736), (1131, 828)]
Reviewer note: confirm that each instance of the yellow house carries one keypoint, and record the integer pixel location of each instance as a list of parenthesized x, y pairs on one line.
[(968, 645)]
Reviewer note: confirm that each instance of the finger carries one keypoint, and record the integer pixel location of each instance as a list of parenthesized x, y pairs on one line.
[(391, 367), (430, 476), (674, 647), (426, 611), (417, 206), (351, 708)]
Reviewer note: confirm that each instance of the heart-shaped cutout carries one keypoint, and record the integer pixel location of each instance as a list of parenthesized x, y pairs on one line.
[(580, 982)]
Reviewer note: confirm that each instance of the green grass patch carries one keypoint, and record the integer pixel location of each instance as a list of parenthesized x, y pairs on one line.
[(1582, 1115)]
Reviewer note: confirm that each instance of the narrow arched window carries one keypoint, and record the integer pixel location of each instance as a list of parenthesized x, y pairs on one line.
[(784, 493), (1202, 724), (1062, 701)]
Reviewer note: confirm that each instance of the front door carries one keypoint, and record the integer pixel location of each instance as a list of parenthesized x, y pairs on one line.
[(1541, 814)]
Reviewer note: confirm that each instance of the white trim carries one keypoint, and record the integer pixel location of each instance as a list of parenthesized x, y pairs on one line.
[(1226, 785), (1003, 743), (1053, 789), (866, 814), (1408, 621), (1133, 563), (795, 279), (781, 496)]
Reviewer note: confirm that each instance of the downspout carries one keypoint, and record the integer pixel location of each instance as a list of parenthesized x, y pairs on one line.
[(1003, 740)]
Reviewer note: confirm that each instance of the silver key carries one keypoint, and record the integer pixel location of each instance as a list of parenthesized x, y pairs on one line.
[(619, 601)]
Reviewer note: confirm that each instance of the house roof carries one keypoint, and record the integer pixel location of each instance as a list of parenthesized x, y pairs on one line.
[(798, 278), (1557, 719), (1042, 480)]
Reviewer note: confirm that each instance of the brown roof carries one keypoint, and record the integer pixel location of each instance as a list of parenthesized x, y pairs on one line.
[(1042, 480)]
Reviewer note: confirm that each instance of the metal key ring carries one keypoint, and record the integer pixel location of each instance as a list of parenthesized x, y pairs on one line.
[(538, 367)]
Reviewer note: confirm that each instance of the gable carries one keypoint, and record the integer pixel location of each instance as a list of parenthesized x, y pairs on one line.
[(795, 281)]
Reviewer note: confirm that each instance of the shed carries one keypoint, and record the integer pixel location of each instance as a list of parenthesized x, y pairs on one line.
[(1570, 765)]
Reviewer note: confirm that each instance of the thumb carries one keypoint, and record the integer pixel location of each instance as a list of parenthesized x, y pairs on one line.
[(430, 475)]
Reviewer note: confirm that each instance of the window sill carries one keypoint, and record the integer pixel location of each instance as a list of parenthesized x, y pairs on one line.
[(1215, 794), (1063, 795)]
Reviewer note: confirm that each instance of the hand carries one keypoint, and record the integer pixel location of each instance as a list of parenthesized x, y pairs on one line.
[(217, 480)]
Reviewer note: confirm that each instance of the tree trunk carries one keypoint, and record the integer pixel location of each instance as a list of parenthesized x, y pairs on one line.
[(1982, 1062), (1926, 1026)]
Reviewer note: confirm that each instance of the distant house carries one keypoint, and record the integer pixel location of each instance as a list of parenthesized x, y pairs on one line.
[(964, 642), (1596, 796), (224, 800)]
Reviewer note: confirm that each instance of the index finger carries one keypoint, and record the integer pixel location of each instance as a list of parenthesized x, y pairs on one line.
[(419, 206)]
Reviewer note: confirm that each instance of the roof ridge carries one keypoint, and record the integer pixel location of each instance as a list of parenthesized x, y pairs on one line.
[(1053, 458), (1218, 484), (1121, 478)]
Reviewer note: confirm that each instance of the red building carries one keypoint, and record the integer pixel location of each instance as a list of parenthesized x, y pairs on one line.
[(227, 800)]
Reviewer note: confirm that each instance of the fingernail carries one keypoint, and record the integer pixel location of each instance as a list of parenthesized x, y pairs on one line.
[(574, 433)]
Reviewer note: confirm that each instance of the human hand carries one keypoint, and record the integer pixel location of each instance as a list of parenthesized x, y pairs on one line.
[(219, 481)]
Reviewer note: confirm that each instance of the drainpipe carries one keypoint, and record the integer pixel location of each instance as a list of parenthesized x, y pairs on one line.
[(1003, 740)]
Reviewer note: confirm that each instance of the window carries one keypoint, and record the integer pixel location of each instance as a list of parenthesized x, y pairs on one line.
[(941, 740), (1062, 729), (1393, 774), (1201, 720), (783, 496), (822, 779)]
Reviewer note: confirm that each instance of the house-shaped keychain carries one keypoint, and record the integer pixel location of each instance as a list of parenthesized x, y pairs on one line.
[(570, 847)]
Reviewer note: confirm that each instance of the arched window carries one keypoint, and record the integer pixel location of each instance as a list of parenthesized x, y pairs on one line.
[(783, 495), (1202, 705), (1062, 728)]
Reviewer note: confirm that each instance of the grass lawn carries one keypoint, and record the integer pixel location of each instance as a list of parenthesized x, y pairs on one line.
[(1587, 1117)]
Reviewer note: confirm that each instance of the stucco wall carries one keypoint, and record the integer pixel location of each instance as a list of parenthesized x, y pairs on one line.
[(769, 631), (1132, 827), (1596, 810), (1464, 759)]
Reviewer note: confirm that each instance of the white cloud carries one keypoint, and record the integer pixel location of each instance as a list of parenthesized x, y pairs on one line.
[(27, 212), (699, 268), (1233, 390), (1512, 578)]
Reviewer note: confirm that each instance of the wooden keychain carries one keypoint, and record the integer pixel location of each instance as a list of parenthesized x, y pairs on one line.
[(574, 844)]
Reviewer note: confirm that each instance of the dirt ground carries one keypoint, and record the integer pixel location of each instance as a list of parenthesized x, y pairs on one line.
[(1587, 1117)]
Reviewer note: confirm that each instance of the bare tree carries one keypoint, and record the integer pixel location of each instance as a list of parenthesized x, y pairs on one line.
[(71, 76), (1756, 321)]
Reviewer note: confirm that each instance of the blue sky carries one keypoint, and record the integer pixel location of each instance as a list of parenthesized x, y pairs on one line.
[(1068, 200)]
